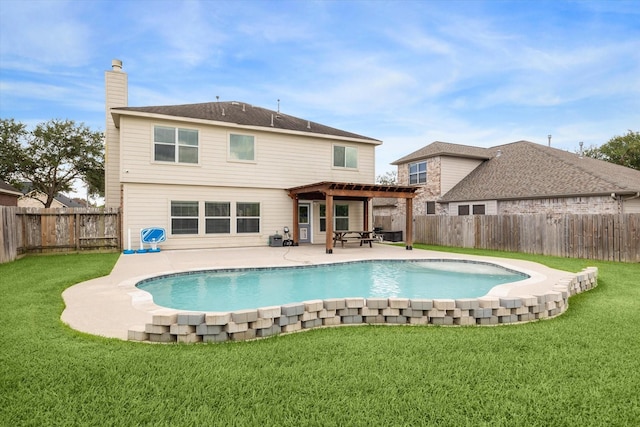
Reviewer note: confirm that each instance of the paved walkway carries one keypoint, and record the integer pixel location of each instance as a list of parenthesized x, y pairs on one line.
[(111, 305)]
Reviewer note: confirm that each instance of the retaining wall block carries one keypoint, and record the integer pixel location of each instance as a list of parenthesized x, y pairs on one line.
[(233, 327), (444, 304), (137, 333), (221, 337), (164, 337), (313, 305), (313, 323), (529, 300), (150, 328), (354, 302), (309, 315), (390, 312), (542, 315), (164, 319), (367, 311), (324, 313), (424, 320), (374, 319), (293, 309), (262, 323), (397, 320), (334, 304), (249, 334), (292, 327), (177, 329), (244, 316), (481, 313), (464, 321), (189, 338), (510, 302), (332, 321), (456, 312), (270, 312), (350, 320), (204, 329), (436, 313), (489, 302), (502, 311), (526, 317), (193, 319), (521, 310), (441, 320), (508, 319), (410, 312), (267, 332), (467, 303), (348, 312), (377, 303), (493, 320), (217, 318), (399, 303), (285, 320), (421, 304)]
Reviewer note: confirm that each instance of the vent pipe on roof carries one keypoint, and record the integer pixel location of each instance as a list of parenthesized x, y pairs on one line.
[(581, 152), (116, 65), (499, 153), (243, 108), (278, 105), (223, 111), (272, 120), (308, 124), (549, 136)]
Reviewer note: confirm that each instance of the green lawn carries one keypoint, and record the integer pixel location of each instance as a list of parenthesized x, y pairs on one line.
[(582, 368)]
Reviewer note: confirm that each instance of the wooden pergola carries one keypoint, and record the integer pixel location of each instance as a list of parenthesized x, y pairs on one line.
[(330, 191)]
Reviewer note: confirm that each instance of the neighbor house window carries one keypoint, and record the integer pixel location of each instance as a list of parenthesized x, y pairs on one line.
[(217, 217), (175, 144), (184, 217), (431, 208), (345, 157), (463, 210), (340, 217), (242, 147), (247, 217), (418, 173), (478, 209)]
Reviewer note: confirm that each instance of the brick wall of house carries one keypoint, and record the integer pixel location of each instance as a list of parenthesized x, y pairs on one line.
[(564, 205)]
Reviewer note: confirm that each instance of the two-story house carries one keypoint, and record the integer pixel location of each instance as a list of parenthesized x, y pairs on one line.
[(230, 174), (518, 178)]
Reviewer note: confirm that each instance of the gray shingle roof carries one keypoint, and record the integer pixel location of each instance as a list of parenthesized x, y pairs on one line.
[(439, 148), (8, 189), (244, 114), (525, 170)]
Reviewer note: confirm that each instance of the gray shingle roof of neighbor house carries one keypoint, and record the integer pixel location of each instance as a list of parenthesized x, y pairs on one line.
[(243, 114), (525, 170), (8, 189), (439, 148)]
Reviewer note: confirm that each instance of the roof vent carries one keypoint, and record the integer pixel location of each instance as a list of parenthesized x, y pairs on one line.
[(243, 108), (272, 120), (308, 124), (499, 153), (223, 111)]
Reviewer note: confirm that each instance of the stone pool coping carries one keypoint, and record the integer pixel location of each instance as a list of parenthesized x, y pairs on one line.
[(112, 306)]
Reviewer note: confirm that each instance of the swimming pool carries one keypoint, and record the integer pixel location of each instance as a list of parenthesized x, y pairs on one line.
[(239, 289)]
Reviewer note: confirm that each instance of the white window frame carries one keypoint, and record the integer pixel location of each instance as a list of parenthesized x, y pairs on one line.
[(239, 217), (417, 173), (347, 149), (172, 217), (230, 155), (217, 217), (176, 145)]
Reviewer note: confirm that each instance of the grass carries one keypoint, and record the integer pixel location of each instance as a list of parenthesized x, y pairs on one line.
[(582, 368)]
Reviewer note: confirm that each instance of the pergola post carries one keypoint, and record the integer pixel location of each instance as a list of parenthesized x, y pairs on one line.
[(295, 226), (365, 221), (329, 222), (409, 224)]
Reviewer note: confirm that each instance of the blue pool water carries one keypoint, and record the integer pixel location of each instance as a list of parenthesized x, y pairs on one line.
[(230, 290)]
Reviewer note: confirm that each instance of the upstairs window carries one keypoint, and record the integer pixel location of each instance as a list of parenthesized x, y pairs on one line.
[(345, 157), (175, 145), (242, 147), (418, 173)]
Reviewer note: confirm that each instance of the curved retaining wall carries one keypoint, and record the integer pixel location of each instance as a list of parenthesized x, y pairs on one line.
[(175, 326)]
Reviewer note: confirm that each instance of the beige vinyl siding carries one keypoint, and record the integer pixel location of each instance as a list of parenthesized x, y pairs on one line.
[(631, 206), (116, 96), (355, 218), (149, 205), (282, 160), (454, 169)]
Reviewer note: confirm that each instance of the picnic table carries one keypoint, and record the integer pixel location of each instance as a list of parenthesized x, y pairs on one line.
[(361, 236)]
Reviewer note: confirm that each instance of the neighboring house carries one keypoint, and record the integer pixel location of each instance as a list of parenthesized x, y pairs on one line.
[(9, 195), (518, 178), (30, 198), (230, 174)]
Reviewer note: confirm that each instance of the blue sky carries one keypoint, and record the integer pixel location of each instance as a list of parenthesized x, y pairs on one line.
[(408, 73)]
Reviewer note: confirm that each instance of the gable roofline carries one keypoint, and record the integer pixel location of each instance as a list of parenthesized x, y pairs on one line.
[(439, 148), (240, 115), (9, 189)]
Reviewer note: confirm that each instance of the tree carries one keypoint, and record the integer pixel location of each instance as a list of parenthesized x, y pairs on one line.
[(388, 178), (51, 156), (622, 150)]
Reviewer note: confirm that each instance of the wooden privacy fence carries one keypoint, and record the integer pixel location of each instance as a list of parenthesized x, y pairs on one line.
[(35, 230), (601, 237)]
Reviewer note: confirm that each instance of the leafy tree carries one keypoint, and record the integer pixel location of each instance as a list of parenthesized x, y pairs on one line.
[(622, 150), (51, 156), (388, 178)]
